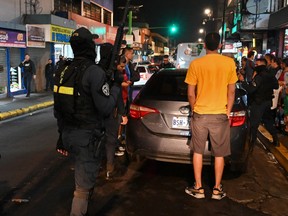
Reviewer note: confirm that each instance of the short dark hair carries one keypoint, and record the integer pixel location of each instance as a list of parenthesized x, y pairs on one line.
[(165, 56), (250, 54), (122, 59), (127, 49), (212, 41), (263, 60)]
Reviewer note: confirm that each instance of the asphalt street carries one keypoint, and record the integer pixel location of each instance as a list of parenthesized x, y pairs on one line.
[(32, 172)]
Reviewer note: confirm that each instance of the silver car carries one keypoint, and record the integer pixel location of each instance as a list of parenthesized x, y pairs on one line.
[(159, 122)]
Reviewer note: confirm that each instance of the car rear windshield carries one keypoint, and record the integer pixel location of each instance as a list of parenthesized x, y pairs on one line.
[(166, 86)]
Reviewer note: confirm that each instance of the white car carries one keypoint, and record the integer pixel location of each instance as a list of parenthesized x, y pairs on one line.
[(145, 71)]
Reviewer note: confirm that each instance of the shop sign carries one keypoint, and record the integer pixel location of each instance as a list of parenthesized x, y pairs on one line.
[(60, 34), (35, 36), (12, 38), (250, 21)]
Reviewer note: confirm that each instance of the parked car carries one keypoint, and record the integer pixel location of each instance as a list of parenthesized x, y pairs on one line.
[(159, 122), (145, 71)]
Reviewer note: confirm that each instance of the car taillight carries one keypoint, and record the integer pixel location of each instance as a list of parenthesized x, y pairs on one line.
[(237, 118), (140, 111)]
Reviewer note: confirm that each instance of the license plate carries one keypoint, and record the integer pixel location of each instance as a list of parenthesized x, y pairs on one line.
[(180, 122)]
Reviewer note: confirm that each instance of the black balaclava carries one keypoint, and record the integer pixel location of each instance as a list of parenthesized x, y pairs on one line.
[(82, 44)]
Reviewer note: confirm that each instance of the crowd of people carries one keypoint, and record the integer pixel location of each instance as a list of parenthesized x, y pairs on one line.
[(278, 68)]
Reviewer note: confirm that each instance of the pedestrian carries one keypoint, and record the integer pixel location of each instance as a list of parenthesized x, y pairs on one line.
[(118, 117), (133, 75), (165, 63), (49, 72), (285, 94), (286, 111), (214, 77), (29, 73), (249, 66), (260, 91), (60, 62), (82, 101), (271, 63)]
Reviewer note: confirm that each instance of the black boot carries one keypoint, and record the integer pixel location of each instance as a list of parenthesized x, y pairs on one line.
[(276, 141)]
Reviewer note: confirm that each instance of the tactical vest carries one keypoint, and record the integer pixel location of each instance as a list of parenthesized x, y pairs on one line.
[(72, 105)]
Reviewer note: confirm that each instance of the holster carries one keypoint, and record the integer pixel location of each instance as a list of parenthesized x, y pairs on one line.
[(96, 143)]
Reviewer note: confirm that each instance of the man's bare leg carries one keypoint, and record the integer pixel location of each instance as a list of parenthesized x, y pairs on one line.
[(197, 165)]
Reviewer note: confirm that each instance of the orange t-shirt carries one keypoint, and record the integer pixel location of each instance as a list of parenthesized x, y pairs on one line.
[(211, 74)]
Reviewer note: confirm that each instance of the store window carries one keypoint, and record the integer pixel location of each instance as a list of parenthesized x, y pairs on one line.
[(285, 50), (107, 17), (92, 11), (64, 5)]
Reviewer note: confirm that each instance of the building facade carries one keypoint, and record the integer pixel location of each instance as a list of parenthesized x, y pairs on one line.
[(43, 29), (259, 25)]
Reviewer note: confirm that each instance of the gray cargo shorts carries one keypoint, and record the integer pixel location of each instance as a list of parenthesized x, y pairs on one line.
[(217, 127)]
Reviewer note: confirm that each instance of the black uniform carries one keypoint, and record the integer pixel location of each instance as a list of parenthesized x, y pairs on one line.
[(260, 92), (49, 71), (29, 71), (82, 131)]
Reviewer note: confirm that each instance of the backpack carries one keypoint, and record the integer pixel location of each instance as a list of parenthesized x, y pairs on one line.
[(67, 87)]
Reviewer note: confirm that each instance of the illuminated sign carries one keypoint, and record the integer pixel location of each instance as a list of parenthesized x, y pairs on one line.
[(12, 38), (60, 34)]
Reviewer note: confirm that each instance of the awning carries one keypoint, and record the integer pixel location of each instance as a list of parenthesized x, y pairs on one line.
[(279, 19)]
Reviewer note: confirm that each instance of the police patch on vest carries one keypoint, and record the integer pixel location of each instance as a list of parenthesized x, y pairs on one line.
[(105, 89)]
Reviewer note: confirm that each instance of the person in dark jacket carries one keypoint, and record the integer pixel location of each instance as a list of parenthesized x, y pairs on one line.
[(166, 63), (118, 117), (60, 62), (29, 73), (82, 132), (260, 91), (49, 72)]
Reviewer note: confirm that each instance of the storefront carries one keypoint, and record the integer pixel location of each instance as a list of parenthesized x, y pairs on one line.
[(285, 47), (279, 21), (12, 45), (60, 36)]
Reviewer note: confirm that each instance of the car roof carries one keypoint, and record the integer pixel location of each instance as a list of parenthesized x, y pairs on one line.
[(173, 71)]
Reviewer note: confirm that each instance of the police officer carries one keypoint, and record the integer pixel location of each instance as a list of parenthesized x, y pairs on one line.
[(29, 72), (260, 91), (82, 131)]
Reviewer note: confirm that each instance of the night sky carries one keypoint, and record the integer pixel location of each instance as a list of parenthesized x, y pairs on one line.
[(186, 14)]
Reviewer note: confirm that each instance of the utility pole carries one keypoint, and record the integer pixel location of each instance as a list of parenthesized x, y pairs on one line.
[(130, 17)]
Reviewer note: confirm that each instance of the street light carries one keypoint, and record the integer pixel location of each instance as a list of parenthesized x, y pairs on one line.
[(200, 40), (201, 31), (208, 12)]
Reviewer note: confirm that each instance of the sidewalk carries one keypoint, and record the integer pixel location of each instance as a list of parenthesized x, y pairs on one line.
[(281, 152), (19, 104)]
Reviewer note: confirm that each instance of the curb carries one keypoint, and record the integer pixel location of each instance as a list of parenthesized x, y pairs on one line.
[(21, 111), (280, 153)]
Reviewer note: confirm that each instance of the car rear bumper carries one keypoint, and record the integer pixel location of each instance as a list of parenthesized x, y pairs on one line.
[(176, 149)]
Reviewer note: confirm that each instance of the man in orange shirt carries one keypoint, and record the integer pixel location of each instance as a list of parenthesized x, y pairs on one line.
[(211, 90)]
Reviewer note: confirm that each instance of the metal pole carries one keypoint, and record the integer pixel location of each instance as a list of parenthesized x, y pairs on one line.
[(223, 25), (130, 22)]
